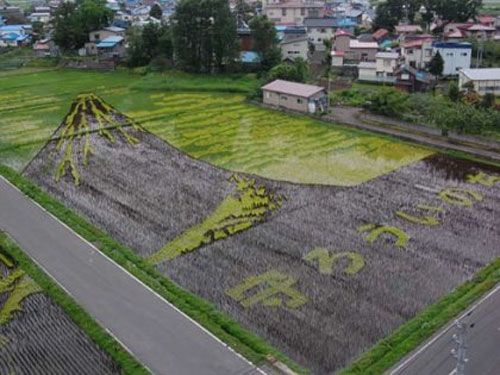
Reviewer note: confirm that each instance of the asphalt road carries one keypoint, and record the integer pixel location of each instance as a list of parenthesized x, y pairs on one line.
[(483, 345), (164, 339)]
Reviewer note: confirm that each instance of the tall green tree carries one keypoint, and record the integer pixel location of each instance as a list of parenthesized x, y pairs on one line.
[(156, 11), (265, 41), (204, 35), (148, 42), (72, 22), (436, 65)]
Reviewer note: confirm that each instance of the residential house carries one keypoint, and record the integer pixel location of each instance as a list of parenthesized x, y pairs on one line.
[(320, 29), (39, 17), (403, 30), (380, 35), (112, 47), (410, 79), (95, 37), (456, 56), (417, 52), (383, 70), (45, 48), (486, 20), (15, 35), (361, 51), (338, 58), (292, 11), (479, 31), (295, 96), (294, 46), (8, 12), (485, 80)]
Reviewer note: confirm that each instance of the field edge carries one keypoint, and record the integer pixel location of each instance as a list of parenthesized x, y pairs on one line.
[(409, 336), (125, 360), (251, 346)]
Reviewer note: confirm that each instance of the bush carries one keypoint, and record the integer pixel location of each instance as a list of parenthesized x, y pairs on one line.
[(388, 102)]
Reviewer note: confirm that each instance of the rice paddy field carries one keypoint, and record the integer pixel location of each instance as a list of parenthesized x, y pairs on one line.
[(205, 117), (320, 270), (37, 336)]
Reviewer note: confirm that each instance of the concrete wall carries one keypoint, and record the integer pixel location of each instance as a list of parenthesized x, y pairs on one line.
[(361, 54), (294, 15), (318, 34)]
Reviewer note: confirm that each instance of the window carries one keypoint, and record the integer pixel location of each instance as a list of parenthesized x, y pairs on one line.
[(428, 53), (299, 101), (322, 31), (283, 12), (409, 52), (283, 97), (302, 11), (465, 54), (268, 94), (450, 54), (97, 36), (387, 63)]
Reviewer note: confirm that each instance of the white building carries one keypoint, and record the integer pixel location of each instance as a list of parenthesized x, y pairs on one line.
[(456, 56), (320, 29), (486, 81), (293, 11), (294, 46), (383, 70)]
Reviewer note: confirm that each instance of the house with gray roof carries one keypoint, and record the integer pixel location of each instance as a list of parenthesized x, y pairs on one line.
[(295, 96), (485, 81), (320, 29)]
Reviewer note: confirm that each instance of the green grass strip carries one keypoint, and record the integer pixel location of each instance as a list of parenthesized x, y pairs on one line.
[(243, 341), (127, 363), (390, 350)]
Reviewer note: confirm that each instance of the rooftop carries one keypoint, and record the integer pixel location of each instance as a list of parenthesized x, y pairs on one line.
[(292, 88), (320, 22), (408, 28), (354, 43), (489, 74), (387, 55)]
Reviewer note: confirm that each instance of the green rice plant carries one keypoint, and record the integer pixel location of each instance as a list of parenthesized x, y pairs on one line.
[(18, 292), (483, 179), (272, 283), (377, 230), (423, 220), (459, 196), (250, 206), (326, 260), (88, 114)]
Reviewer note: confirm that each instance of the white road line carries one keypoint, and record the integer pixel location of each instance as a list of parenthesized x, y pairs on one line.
[(136, 279), (442, 332)]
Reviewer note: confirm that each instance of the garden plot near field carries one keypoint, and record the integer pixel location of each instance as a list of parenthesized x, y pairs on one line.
[(37, 336), (321, 272)]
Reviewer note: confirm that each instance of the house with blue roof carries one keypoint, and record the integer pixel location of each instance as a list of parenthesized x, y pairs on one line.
[(15, 35), (112, 47)]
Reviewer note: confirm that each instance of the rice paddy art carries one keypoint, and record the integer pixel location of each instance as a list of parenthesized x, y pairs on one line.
[(17, 286), (272, 284), (326, 260), (88, 114), (251, 205)]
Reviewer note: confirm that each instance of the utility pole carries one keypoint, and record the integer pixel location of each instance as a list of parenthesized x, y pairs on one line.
[(459, 351)]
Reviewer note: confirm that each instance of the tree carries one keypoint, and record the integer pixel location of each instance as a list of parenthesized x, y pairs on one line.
[(148, 42), (297, 71), (67, 30), (456, 10), (204, 35), (436, 65), (72, 22), (156, 11), (265, 41), (454, 92), (38, 30)]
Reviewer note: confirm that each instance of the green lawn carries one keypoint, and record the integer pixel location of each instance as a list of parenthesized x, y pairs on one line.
[(207, 117)]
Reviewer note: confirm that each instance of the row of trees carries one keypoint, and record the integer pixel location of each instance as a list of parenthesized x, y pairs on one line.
[(391, 12)]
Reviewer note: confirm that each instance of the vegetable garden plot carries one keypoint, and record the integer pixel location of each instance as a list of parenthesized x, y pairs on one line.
[(321, 272), (36, 336)]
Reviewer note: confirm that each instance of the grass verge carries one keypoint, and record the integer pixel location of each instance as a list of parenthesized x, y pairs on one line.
[(388, 351), (246, 343), (127, 363)]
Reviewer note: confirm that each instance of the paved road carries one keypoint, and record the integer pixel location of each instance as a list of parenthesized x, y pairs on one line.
[(354, 117), (483, 341), (161, 337)]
